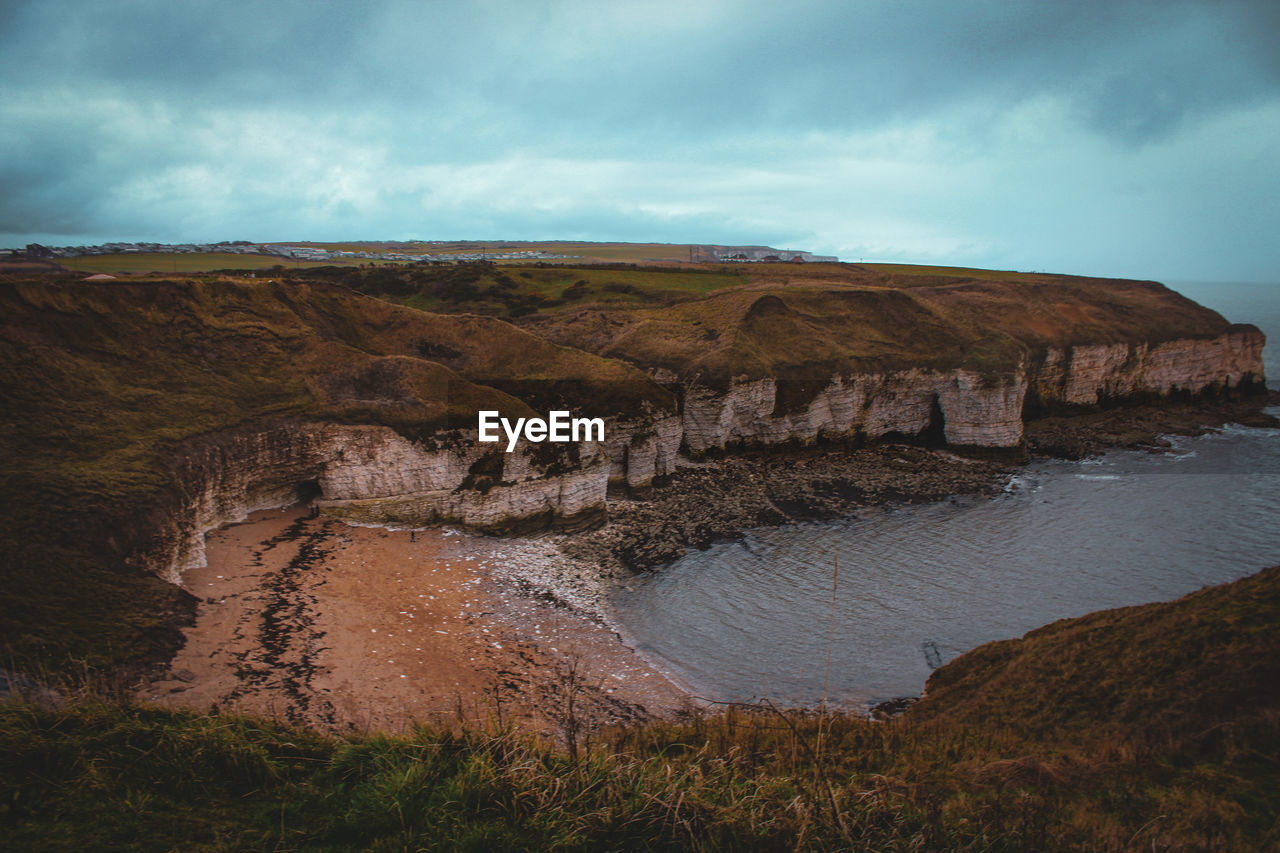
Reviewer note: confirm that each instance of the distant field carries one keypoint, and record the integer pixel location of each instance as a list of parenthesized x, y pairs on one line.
[(961, 272), (142, 262), (628, 252), (637, 253), (615, 252), (520, 289), (145, 262), (411, 248), (163, 262)]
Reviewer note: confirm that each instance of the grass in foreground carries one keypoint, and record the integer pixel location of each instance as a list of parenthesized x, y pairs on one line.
[(1180, 757)]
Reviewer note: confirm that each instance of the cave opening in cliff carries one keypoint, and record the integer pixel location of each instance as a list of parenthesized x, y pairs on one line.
[(281, 491), (935, 434), (308, 491)]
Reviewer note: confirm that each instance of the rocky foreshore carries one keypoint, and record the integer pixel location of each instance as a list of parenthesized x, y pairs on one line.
[(716, 499), (1077, 435)]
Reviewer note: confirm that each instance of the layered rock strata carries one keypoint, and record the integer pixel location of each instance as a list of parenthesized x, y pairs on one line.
[(1086, 375), (966, 407), (224, 477), (371, 474), (970, 408)]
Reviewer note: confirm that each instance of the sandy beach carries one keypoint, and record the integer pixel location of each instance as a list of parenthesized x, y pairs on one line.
[(359, 628)]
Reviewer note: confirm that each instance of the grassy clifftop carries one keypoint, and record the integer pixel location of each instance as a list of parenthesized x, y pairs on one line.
[(795, 321), (810, 324)]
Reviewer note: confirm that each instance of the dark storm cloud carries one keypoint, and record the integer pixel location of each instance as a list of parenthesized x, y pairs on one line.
[(1132, 68), (930, 129)]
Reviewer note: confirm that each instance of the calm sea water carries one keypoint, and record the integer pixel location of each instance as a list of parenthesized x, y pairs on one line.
[(919, 585)]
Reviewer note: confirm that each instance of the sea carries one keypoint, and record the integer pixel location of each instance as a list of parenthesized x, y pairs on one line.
[(862, 609)]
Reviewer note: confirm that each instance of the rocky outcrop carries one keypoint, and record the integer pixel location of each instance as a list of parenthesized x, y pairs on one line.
[(968, 409), (571, 501), (221, 479), (372, 474), (982, 411), (640, 452), (964, 407), (1086, 375)]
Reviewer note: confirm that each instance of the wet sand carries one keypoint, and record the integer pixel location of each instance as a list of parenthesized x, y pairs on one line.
[(354, 628)]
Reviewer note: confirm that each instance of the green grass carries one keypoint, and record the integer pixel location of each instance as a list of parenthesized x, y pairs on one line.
[(136, 263), (813, 321), (911, 270), (512, 291), (799, 322), (146, 262), (1013, 750)]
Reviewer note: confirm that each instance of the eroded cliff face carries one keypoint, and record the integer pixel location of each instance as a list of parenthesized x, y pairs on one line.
[(371, 474), (641, 452), (1086, 375), (221, 479), (971, 409), (968, 408), (570, 501)]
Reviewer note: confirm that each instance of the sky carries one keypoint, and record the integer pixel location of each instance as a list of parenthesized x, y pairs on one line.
[(1134, 138)]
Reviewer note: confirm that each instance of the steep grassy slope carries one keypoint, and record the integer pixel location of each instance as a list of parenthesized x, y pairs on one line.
[(1145, 728), (1189, 673), (794, 321), (511, 291), (102, 382), (816, 320)]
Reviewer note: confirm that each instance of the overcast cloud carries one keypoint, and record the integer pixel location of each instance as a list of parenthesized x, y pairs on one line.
[(1113, 138)]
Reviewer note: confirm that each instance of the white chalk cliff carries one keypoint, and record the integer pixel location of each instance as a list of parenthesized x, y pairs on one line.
[(975, 410), (1086, 375), (372, 474)]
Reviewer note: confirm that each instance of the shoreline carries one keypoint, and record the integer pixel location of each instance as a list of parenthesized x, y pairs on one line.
[(713, 501), (291, 605), (346, 628)]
